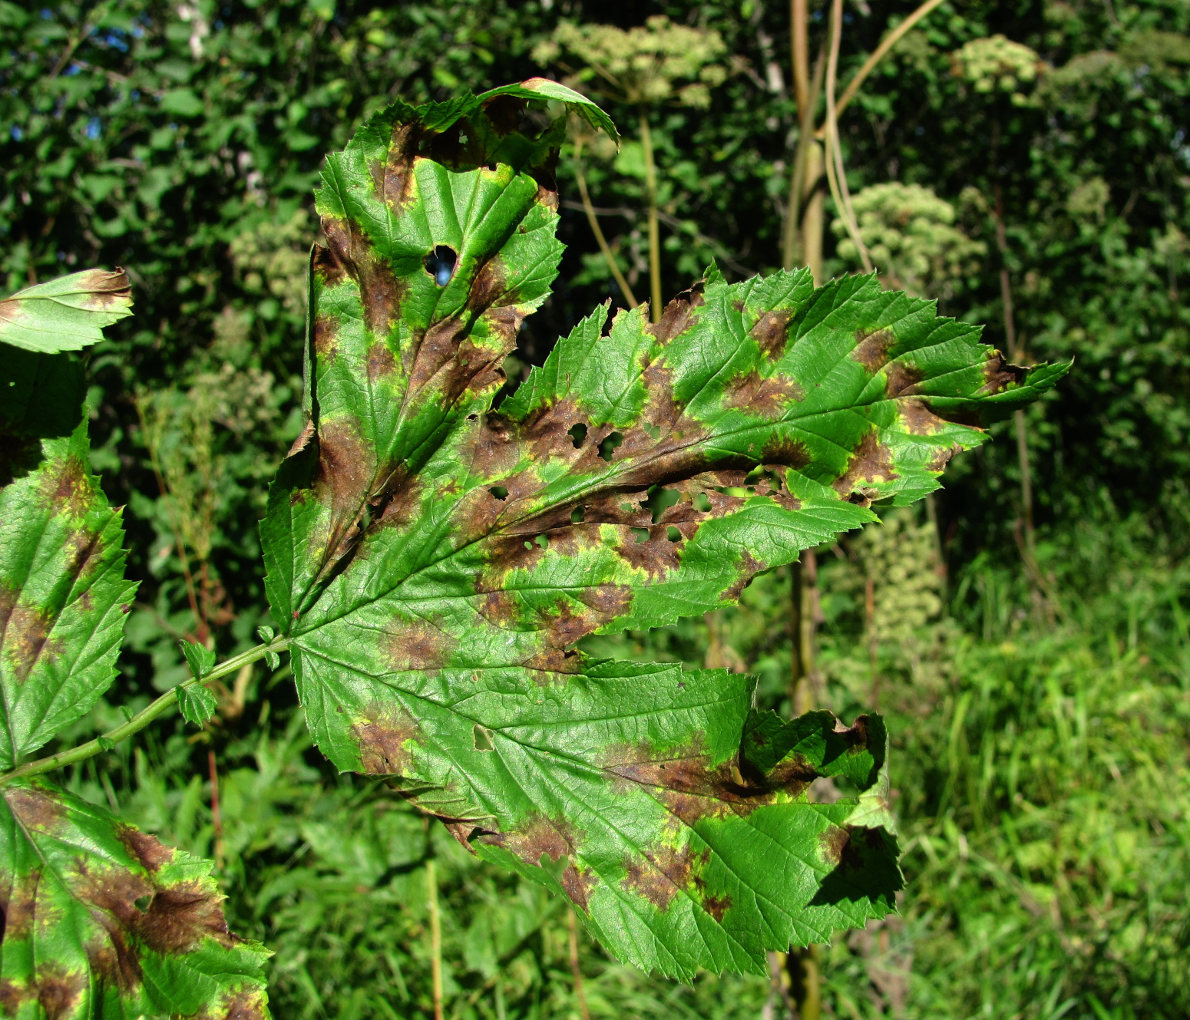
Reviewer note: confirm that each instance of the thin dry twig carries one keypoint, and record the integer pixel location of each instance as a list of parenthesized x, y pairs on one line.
[(835, 174)]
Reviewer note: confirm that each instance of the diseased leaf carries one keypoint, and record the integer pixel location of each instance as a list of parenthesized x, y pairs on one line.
[(63, 595), (434, 562), (65, 314), (103, 920)]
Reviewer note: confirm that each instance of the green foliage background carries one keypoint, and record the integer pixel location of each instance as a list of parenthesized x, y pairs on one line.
[(1041, 727)]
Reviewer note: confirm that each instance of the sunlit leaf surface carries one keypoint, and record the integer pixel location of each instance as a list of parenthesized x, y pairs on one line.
[(434, 562)]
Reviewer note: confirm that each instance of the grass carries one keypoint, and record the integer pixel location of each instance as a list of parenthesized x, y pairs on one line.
[(1040, 760)]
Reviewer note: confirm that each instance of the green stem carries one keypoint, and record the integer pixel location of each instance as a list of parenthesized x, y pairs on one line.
[(646, 141), (142, 718), (613, 267)]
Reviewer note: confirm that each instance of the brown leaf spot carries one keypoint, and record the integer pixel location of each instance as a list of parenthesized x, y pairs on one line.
[(244, 1004), (477, 369), (111, 958), (415, 645), (345, 471), (398, 500), (325, 338), (999, 375), (553, 838), (303, 439), (384, 740), (11, 996), (578, 884), (67, 489), (832, 843), (749, 566), (763, 396), (381, 361), (326, 267), (870, 461), (656, 556), (545, 430), (685, 786), (146, 849), (490, 286), (437, 349), (18, 905), (771, 332), (498, 607), (678, 315), (918, 418), (393, 176), (596, 605), (59, 991), (793, 774), (872, 349), (34, 809), (506, 552), (490, 447), (717, 906), (27, 640), (901, 380), (785, 451), (106, 289), (942, 457), (173, 921), (658, 874), (380, 288)]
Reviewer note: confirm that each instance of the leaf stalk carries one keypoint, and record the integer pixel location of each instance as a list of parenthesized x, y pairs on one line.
[(138, 722)]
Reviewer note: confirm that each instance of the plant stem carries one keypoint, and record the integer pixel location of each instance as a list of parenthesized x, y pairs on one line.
[(142, 718), (435, 938), (835, 175), (1014, 355), (646, 141), (152, 438), (886, 44), (575, 968), (613, 266)]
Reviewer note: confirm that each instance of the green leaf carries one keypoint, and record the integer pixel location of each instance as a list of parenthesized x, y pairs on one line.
[(543, 88), (65, 314), (200, 658), (266, 634), (196, 703), (104, 920), (63, 595), (182, 103), (433, 562)]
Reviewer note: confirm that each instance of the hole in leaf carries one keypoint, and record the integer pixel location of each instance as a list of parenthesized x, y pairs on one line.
[(653, 431), (626, 508), (658, 500), (480, 738), (499, 491), (702, 502), (608, 446), (142, 902), (440, 264), (542, 541), (528, 544), (578, 434), (673, 534), (641, 534), (577, 514)]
